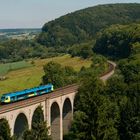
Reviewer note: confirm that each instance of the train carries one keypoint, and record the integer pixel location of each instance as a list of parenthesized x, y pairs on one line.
[(27, 93)]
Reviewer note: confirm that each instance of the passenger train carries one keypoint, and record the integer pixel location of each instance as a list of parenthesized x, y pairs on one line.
[(27, 93)]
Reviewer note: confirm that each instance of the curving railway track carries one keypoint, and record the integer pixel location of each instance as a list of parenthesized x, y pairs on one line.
[(56, 93), (110, 71)]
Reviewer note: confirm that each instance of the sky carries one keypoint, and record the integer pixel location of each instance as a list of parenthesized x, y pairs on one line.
[(34, 13)]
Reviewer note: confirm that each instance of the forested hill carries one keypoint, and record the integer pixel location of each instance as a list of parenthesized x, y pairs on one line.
[(83, 25), (118, 41)]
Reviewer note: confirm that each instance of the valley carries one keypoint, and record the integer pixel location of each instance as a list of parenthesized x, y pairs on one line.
[(31, 76)]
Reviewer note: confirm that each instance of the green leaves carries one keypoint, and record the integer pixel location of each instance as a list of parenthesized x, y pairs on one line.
[(82, 26), (57, 75), (4, 130), (95, 116), (39, 129), (118, 41), (130, 69)]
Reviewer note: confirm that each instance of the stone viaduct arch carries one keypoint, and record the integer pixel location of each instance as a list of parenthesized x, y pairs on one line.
[(21, 123), (55, 121), (67, 115)]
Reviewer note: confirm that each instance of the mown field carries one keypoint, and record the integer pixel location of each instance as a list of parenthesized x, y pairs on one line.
[(30, 75)]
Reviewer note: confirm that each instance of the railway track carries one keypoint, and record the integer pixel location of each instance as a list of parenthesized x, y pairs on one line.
[(23, 103), (110, 71), (58, 92)]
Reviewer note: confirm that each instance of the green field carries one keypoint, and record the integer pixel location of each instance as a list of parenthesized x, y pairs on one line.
[(30, 76), (5, 68)]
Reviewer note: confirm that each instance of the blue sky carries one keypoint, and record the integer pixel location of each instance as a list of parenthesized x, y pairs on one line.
[(34, 13)]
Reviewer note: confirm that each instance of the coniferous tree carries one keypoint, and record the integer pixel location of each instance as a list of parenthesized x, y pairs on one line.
[(95, 117), (4, 130)]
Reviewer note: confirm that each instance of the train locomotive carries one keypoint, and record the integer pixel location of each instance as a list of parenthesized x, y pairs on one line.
[(27, 93)]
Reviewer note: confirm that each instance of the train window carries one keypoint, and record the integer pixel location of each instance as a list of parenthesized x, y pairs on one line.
[(3, 98), (41, 90), (49, 88), (12, 98), (23, 95), (31, 93), (19, 96)]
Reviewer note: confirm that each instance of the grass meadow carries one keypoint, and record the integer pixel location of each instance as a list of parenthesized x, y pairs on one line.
[(30, 75)]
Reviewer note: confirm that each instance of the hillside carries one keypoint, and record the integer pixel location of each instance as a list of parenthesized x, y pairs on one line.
[(73, 33), (119, 41), (83, 25)]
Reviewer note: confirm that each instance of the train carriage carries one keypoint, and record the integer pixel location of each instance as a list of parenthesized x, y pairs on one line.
[(27, 93)]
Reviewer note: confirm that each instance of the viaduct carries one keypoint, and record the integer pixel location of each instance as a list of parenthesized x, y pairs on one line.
[(57, 111)]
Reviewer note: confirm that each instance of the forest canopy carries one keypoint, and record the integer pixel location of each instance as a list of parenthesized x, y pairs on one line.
[(83, 25), (119, 41)]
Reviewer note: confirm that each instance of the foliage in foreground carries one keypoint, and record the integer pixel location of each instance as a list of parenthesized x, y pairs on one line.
[(5, 130), (96, 116), (111, 111)]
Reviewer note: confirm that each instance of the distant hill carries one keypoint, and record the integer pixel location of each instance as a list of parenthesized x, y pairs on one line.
[(83, 25)]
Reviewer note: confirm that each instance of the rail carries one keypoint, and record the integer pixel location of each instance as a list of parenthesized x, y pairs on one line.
[(110, 71), (23, 103)]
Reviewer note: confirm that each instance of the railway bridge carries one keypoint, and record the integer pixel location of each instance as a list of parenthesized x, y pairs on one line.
[(57, 111)]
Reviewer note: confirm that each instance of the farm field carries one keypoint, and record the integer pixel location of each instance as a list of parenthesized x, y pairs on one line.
[(5, 68), (28, 77)]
